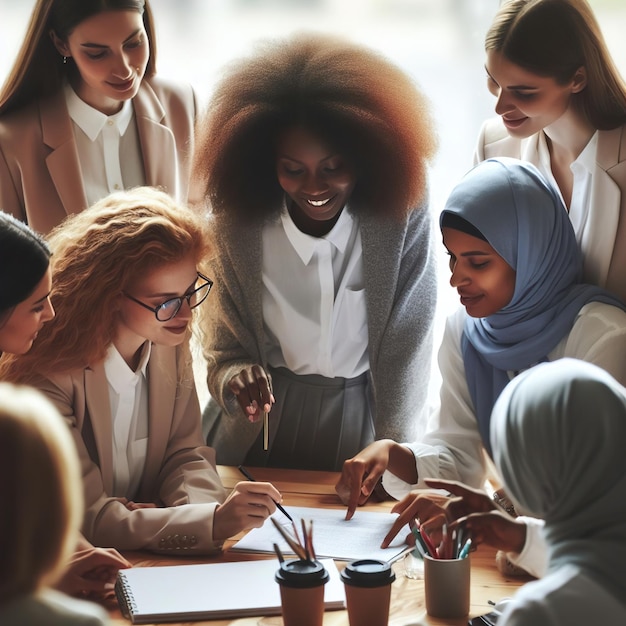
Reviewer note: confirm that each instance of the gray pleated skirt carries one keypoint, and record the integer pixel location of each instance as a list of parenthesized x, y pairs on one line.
[(317, 423)]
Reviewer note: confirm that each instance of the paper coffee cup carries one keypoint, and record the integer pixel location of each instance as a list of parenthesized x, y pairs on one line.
[(302, 592), (368, 591)]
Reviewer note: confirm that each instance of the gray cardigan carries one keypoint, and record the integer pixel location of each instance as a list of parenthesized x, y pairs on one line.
[(400, 286)]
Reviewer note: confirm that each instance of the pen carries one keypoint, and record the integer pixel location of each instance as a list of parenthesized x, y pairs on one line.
[(420, 544), (465, 549), (429, 544), (247, 474)]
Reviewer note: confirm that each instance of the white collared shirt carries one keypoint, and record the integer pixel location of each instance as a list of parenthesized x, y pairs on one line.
[(128, 397), (314, 298), (582, 170), (108, 147)]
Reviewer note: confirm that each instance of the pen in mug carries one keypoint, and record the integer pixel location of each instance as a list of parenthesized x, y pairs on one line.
[(429, 544), (465, 549), (425, 546), (420, 546), (249, 476)]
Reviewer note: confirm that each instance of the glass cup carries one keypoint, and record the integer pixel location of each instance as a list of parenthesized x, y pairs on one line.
[(368, 591), (447, 587), (413, 565), (302, 592)]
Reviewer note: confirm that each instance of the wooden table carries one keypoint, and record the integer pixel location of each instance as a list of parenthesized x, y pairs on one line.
[(305, 488)]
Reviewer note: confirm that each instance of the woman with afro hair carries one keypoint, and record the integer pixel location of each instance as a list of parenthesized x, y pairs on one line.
[(311, 161)]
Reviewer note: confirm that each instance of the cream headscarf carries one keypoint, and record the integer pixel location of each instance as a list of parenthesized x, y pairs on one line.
[(558, 433)]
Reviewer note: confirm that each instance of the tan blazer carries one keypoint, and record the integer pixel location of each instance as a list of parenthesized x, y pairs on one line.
[(40, 175), (604, 248), (179, 474)]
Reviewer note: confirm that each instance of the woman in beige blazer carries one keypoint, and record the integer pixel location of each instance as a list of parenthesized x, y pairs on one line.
[(562, 106), (83, 73), (115, 361)]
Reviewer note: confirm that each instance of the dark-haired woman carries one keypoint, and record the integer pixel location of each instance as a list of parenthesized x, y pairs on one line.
[(313, 161), (83, 113)]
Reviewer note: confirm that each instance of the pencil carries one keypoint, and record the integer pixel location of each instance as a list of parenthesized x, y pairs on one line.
[(266, 430), (291, 542), (249, 476)]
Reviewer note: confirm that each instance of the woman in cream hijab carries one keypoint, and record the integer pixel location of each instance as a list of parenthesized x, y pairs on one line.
[(557, 434)]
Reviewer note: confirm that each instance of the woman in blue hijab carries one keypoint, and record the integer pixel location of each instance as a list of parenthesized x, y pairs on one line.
[(516, 264)]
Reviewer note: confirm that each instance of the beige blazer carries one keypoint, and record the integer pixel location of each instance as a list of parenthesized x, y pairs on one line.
[(179, 474), (40, 175), (604, 246)]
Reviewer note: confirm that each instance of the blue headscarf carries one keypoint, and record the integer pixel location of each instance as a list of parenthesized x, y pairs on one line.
[(522, 217)]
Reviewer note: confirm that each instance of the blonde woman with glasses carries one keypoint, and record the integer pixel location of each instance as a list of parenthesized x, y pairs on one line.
[(116, 363)]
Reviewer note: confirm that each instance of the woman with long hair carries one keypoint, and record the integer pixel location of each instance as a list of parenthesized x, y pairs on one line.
[(83, 112), (116, 363), (561, 105)]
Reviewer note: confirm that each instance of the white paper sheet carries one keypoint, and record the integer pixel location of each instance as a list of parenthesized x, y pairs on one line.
[(333, 536)]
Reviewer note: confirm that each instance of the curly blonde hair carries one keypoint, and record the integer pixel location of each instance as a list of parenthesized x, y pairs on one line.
[(351, 97), (96, 256)]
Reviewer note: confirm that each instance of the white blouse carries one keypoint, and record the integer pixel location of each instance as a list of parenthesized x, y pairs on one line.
[(128, 397), (108, 147), (315, 313), (582, 213)]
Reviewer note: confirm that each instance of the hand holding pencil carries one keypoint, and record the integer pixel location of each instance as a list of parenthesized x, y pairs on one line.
[(252, 387)]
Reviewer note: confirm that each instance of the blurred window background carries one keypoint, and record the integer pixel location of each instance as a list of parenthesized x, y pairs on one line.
[(438, 42)]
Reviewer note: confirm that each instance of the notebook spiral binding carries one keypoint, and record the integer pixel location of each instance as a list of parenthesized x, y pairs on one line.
[(124, 596)]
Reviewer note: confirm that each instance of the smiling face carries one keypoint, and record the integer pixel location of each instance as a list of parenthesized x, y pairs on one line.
[(528, 102), (20, 329), (111, 53), (484, 280), (138, 324), (317, 179)]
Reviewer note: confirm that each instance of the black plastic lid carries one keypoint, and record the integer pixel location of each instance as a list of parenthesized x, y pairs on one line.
[(301, 574), (368, 573)]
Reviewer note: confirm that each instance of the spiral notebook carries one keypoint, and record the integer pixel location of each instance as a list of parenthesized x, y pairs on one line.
[(210, 591)]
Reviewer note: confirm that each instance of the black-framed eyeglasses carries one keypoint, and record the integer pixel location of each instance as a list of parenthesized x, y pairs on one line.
[(170, 308)]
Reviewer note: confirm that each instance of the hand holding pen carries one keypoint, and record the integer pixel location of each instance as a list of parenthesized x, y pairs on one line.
[(248, 506), (249, 477), (253, 390)]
